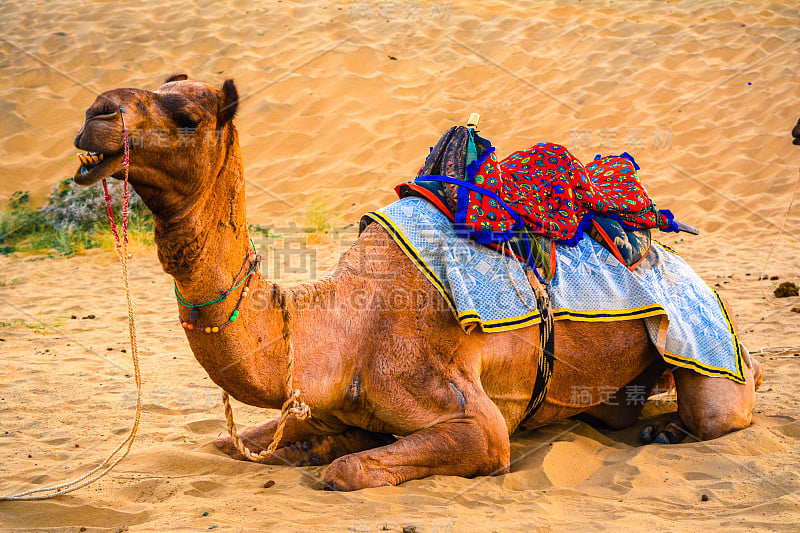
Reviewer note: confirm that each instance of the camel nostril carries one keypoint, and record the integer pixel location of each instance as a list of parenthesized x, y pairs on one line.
[(102, 116), (77, 139)]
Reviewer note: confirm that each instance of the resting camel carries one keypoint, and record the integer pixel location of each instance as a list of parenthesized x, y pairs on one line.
[(396, 392)]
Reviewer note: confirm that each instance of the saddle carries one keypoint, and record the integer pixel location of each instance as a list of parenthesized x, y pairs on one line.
[(455, 150), (451, 157)]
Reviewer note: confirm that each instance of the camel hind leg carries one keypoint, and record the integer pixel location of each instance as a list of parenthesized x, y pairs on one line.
[(304, 443), (622, 408), (325, 449), (709, 407)]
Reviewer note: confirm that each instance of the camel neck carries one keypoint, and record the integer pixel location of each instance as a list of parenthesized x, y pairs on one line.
[(203, 245), (202, 239)]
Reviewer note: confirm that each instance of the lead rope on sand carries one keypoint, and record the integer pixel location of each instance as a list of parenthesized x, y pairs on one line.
[(778, 236), (293, 406), (121, 248)]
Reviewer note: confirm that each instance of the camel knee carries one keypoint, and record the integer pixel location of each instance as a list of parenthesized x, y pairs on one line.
[(490, 447), (496, 458), (717, 418), (351, 472), (712, 427)]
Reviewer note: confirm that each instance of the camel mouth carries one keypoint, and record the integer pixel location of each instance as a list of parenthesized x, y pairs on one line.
[(95, 166)]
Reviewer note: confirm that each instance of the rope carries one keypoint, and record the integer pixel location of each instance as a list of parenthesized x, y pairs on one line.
[(777, 350), (778, 236), (505, 251), (109, 463), (293, 406)]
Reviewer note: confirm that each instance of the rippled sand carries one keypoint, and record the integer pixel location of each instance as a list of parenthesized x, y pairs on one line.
[(341, 102)]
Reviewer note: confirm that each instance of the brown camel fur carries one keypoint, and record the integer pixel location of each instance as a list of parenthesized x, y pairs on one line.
[(396, 389)]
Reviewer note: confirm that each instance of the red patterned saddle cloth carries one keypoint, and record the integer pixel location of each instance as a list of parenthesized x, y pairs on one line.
[(544, 189)]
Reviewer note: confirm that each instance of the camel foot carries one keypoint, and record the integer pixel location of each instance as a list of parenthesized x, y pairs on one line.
[(668, 432), (349, 473), (328, 448)]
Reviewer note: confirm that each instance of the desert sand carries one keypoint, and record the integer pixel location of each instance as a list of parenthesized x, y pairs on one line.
[(341, 101)]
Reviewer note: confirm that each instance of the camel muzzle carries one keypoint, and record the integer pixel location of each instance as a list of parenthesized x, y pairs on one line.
[(98, 161)]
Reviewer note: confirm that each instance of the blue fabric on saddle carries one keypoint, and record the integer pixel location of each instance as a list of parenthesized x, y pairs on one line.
[(686, 320)]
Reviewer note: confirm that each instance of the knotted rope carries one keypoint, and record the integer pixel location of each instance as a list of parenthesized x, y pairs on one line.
[(121, 248), (293, 406)]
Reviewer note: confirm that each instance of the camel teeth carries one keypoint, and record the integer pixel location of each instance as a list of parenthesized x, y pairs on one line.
[(90, 159)]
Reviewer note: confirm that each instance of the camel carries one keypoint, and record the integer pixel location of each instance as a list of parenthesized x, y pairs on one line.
[(397, 392)]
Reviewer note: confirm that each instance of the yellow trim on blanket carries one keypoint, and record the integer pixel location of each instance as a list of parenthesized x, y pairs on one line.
[(406, 246), (708, 370), (469, 319), (667, 248), (732, 331), (610, 315), (499, 324)]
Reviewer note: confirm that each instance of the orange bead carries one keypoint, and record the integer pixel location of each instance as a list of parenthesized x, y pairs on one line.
[(190, 326)]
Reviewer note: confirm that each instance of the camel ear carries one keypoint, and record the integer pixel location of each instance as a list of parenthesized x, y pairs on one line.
[(176, 77), (229, 103)]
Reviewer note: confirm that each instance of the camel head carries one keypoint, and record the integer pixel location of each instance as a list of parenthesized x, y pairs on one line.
[(796, 133), (181, 138)]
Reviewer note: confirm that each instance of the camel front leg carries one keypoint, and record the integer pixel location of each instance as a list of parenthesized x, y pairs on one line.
[(470, 444)]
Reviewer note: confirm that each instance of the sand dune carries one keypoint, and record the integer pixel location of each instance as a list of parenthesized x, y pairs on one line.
[(341, 102)]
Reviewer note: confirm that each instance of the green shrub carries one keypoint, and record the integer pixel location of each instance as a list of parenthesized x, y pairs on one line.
[(74, 219), (18, 220)]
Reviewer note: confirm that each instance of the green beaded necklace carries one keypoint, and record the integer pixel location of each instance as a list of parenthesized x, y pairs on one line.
[(194, 314)]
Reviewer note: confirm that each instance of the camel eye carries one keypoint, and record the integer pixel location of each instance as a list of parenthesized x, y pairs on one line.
[(185, 122)]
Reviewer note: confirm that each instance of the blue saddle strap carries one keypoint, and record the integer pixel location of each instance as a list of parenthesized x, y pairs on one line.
[(518, 224)]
